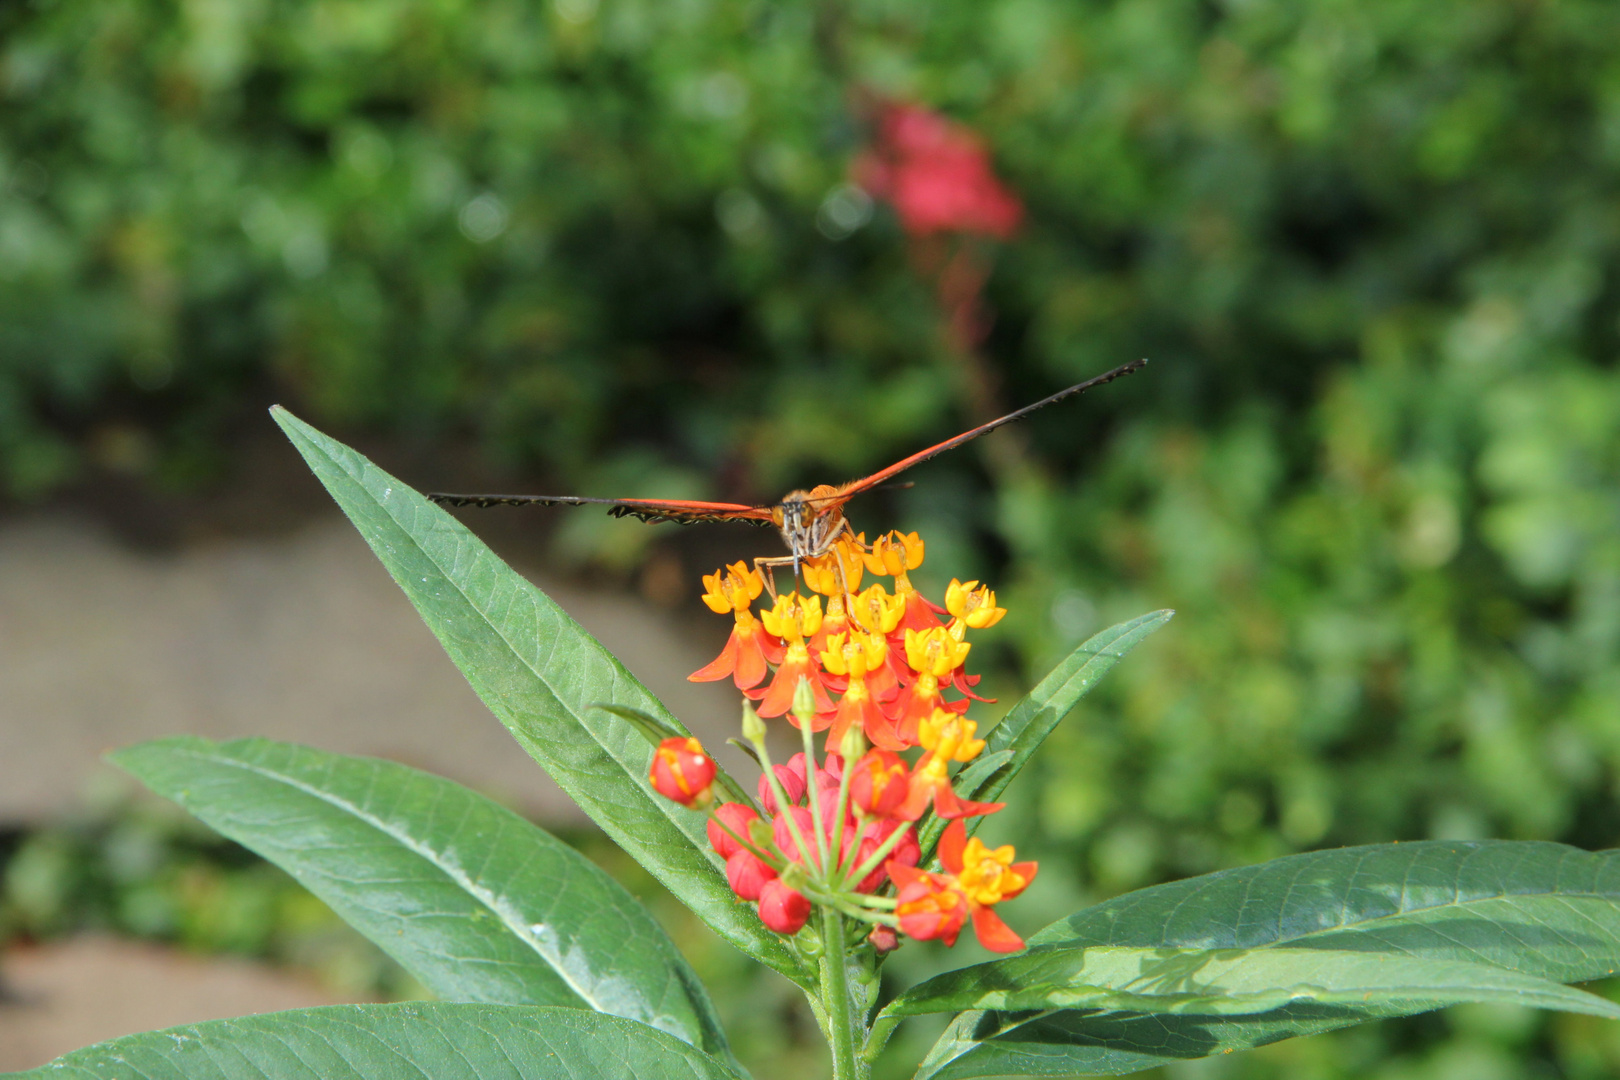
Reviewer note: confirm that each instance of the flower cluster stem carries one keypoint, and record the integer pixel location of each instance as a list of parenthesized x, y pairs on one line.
[(835, 995)]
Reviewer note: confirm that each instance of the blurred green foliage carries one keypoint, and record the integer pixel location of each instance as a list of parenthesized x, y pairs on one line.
[(147, 870), (1371, 248)]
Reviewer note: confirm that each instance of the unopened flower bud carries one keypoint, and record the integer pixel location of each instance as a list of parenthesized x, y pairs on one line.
[(883, 939), (782, 834), (781, 908), (747, 874), (792, 784), (853, 744), (735, 817), (804, 702), (681, 771), (753, 728)]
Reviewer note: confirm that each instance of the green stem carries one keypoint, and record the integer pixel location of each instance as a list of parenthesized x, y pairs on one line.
[(835, 995)]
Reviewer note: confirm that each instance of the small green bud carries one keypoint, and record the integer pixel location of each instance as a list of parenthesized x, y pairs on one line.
[(795, 877), (808, 941), (753, 728), (804, 701), (761, 835), (853, 744)]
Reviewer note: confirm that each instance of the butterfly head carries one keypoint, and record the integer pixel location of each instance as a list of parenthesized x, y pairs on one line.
[(810, 521)]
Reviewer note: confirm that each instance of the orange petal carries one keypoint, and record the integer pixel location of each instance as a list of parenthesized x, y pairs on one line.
[(951, 845), (994, 934), (720, 666)]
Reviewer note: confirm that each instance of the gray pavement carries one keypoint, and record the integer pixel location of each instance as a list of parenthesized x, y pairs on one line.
[(302, 638)]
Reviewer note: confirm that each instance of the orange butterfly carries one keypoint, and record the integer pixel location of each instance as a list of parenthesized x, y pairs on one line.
[(809, 521)]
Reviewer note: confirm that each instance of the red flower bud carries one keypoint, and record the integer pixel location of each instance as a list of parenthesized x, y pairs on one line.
[(907, 852), (783, 835), (747, 874), (681, 771), (880, 783), (884, 939), (736, 817), (792, 782), (781, 908), (873, 881)]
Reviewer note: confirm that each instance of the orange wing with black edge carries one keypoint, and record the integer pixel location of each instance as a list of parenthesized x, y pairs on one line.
[(683, 512), (855, 487)]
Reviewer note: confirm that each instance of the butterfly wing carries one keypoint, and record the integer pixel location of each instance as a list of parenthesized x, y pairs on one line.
[(684, 512), (865, 483)]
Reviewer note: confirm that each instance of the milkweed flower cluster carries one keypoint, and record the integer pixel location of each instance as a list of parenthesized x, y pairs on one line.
[(880, 670)]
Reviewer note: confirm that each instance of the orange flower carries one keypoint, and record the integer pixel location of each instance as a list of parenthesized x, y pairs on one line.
[(937, 905), (749, 647), (947, 737), (880, 783), (933, 655), (854, 656), (793, 619), (930, 905), (894, 555), (986, 877)]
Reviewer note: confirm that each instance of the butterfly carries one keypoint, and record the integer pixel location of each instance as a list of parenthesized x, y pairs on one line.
[(809, 521)]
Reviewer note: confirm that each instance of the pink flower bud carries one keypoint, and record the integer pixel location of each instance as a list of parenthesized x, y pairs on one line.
[(792, 786), (736, 817), (747, 874), (783, 835), (781, 908)]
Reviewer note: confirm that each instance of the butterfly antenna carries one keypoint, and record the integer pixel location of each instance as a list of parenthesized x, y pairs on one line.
[(984, 429)]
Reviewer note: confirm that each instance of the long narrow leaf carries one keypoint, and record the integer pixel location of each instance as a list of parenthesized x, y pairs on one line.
[(1234, 982), (1028, 723), (1536, 910), (477, 903), (394, 1042), (540, 673)]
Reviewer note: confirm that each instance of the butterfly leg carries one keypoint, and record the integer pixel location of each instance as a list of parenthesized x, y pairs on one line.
[(766, 568)]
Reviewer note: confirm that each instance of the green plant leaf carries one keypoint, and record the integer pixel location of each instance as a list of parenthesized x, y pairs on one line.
[(540, 673), (477, 903), (1233, 982), (445, 1041), (1028, 723), (1545, 911)]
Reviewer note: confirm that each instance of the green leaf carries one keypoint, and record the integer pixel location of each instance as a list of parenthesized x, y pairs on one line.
[(1028, 723), (412, 1041), (477, 903), (1545, 911), (540, 673), (1234, 982)]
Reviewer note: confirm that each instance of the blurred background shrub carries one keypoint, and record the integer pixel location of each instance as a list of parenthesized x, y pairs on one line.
[(1371, 248)]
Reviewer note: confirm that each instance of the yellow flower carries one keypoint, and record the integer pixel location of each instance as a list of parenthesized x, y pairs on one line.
[(854, 654), (973, 604), (895, 553), (879, 612), (794, 617), (934, 652), (735, 592), (948, 736), (987, 875), (821, 574)]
